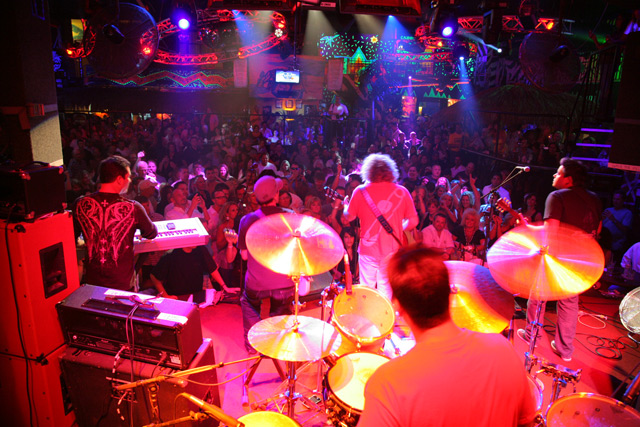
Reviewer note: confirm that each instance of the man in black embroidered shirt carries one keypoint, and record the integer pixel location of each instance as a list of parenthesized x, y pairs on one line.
[(108, 222)]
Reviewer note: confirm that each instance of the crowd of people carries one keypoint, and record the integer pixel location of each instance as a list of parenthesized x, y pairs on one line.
[(215, 162)]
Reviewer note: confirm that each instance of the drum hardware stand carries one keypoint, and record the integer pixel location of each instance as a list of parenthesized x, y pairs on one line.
[(289, 383), (535, 328), (248, 377), (286, 391), (561, 377)]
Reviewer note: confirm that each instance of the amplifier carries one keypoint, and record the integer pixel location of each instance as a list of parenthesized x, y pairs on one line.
[(90, 378), (32, 191), (160, 331)]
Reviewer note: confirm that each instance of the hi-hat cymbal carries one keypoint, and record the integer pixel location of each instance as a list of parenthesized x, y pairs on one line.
[(546, 263), (293, 244), (478, 303), (278, 337)]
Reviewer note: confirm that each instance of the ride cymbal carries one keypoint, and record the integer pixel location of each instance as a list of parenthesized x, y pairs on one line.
[(477, 302), (294, 245), (545, 262), (279, 337)]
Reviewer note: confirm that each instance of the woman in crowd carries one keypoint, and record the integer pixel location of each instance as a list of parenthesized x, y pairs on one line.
[(530, 210), (349, 238), (468, 239), (228, 221)]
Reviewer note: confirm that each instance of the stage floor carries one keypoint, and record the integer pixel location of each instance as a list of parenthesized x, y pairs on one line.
[(601, 374)]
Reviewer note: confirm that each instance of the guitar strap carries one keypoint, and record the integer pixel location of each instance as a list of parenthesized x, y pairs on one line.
[(383, 221)]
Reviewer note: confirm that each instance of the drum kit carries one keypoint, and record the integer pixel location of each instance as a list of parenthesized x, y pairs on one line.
[(531, 262)]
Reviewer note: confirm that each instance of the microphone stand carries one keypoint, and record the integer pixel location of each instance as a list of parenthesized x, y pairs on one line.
[(187, 372)]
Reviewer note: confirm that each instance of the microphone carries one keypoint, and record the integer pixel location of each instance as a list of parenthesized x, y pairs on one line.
[(523, 168), (213, 411)]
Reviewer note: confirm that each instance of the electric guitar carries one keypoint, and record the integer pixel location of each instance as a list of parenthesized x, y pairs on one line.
[(332, 194), (504, 205)]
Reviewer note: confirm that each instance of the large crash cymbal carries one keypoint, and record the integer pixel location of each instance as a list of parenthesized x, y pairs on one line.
[(478, 303), (545, 262), (280, 338), (294, 245)]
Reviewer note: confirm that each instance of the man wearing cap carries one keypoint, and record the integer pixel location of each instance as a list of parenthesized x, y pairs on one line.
[(260, 282)]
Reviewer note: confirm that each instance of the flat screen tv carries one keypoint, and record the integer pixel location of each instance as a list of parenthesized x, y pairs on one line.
[(288, 76)]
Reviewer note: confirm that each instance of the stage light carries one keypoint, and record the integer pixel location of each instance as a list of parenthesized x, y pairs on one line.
[(374, 39), (113, 33), (443, 21), (184, 24), (184, 16), (278, 32), (549, 25), (559, 53), (461, 52), (447, 31), (146, 50)]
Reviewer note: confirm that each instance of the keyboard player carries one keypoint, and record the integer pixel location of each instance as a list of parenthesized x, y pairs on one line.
[(108, 222)]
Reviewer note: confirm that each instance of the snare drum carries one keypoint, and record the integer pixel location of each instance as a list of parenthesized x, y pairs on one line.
[(589, 409), (344, 386), (365, 318), (267, 419)]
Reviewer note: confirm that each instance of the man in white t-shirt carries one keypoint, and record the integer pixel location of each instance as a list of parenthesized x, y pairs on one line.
[(495, 182), (394, 202), (437, 236)]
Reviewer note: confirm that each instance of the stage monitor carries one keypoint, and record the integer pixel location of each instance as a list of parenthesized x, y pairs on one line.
[(288, 76)]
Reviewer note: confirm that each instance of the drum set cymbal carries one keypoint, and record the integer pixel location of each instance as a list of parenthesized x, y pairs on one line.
[(294, 340), (294, 245), (477, 302), (546, 263)]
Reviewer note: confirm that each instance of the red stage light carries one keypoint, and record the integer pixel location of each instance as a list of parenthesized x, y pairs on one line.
[(550, 25), (70, 52), (146, 50)]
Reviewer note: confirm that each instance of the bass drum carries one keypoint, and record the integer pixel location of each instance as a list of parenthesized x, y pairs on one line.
[(589, 409), (267, 419), (344, 386), (364, 319)]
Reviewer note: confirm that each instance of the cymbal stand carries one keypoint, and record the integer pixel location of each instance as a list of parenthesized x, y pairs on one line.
[(249, 376), (529, 358), (561, 377), (290, 395), (535, 326)]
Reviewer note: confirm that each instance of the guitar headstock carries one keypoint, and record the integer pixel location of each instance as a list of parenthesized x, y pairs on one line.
[(504, 205), (231, 235), (332, 194)]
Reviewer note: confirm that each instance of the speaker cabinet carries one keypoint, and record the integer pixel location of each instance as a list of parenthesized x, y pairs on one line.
[(45, 402), (90, 379), (38, 269)]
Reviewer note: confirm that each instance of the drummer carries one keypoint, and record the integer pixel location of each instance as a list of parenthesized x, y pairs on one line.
[(449, 367), (261, 282)]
